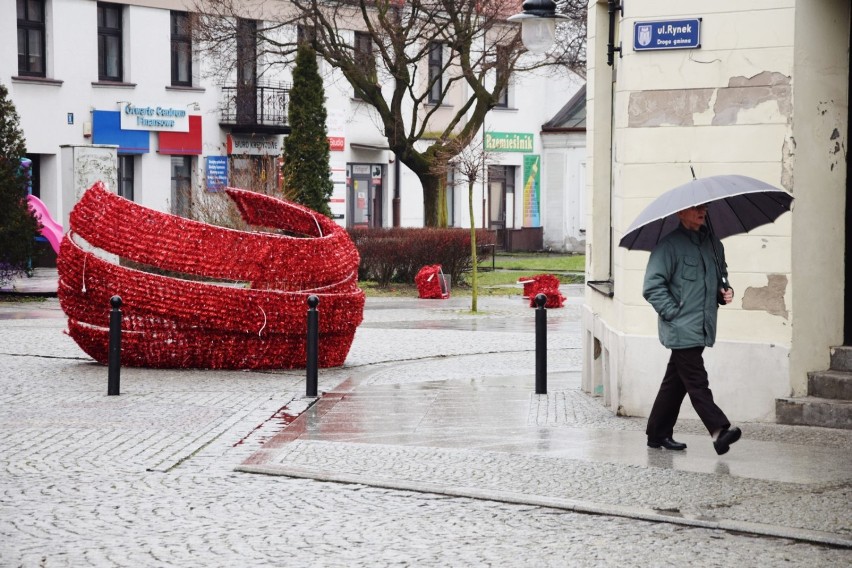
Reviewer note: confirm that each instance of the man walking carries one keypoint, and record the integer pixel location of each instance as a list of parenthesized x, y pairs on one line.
[(684, 285)]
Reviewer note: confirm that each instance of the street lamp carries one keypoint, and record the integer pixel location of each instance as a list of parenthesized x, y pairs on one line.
[(538, 24)]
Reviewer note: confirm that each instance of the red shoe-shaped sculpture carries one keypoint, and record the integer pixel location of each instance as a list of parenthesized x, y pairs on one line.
[(233, 299)]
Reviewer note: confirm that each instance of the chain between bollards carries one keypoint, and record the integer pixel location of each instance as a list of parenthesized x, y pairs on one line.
[(540, 344), (114, 373), (313, 347)]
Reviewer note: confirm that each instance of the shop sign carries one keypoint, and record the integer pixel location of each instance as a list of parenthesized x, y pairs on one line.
[(154, 117), (508, 142), (667, 34), (255, 145), (217, 172), (336, 143)]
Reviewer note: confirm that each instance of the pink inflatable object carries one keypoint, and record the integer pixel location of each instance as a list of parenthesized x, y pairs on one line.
[(50, 229)]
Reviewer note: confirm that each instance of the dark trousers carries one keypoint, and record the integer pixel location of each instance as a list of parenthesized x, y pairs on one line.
[(685, 374)]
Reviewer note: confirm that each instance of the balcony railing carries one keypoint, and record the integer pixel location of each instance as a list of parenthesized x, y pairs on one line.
[(255, 108)]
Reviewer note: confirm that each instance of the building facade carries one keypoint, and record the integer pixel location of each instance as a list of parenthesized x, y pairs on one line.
[(759, 89), (119, 92)]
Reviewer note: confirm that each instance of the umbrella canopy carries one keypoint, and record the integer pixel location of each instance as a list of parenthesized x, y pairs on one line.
[(735, 204)]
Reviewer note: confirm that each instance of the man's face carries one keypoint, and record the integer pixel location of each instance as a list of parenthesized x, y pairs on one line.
[(693, 217)]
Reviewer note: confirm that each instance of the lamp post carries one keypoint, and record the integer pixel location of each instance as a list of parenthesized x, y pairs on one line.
[(538, 24)]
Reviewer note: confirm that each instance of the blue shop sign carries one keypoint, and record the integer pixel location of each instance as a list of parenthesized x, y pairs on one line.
[(667, 34), (217, 172)]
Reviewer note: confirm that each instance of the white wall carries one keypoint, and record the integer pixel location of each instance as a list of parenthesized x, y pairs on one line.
[(72, 65)]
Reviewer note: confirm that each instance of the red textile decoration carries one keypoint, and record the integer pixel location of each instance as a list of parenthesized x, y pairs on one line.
[(546, 284), (430, 283), (255, 320)]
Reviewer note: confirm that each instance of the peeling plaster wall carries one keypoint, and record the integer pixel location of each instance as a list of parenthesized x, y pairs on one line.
[(745, 103), (769, 298)]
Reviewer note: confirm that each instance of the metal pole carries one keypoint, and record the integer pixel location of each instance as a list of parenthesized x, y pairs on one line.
[(540, 344), (313, 346), (114, 373)]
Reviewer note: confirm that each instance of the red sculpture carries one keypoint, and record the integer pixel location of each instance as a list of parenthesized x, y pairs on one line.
[(430, 283), (546, 284), (239, 299)]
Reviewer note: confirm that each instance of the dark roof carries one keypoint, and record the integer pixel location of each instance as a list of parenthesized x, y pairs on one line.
[(572, 116)]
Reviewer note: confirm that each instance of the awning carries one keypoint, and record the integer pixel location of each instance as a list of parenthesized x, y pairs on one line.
[(182, 143), (106, 129), (372, 146)]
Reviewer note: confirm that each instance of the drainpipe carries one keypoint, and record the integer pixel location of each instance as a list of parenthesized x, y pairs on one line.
[(614, 6)]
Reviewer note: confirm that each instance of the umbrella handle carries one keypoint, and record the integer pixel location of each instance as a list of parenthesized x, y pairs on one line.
[(725, 284)]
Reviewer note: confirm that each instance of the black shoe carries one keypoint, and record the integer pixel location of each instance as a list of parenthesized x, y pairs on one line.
[(727, 437), (667, 443)]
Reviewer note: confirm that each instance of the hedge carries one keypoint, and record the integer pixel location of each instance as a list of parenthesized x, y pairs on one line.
[(395, 255)]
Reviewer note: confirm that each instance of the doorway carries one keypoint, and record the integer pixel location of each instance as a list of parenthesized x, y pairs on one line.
[(501, 198), (365, 195)]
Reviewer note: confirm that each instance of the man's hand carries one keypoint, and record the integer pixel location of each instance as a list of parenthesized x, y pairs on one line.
[(727, 294)]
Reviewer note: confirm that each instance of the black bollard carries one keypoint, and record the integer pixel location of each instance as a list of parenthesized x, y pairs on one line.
[(114, 374), (540, 344), (313, 346)]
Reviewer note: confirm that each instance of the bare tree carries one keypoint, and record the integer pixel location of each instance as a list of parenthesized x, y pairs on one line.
[(467, 158), (480, 51)]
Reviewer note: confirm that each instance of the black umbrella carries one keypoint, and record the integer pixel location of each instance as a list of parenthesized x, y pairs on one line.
[(735, 204)]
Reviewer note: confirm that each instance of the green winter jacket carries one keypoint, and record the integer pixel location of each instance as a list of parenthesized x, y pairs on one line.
[(682, 283)]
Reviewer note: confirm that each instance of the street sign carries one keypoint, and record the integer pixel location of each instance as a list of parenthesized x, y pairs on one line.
[(667, 34)]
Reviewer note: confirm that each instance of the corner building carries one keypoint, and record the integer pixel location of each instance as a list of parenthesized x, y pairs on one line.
[(763, 92)]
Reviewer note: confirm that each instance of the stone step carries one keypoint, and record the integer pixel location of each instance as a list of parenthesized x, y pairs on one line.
[(841, 358), (830, 384), (813, 411)]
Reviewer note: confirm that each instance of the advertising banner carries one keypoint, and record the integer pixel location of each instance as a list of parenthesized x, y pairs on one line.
[(532, 193)]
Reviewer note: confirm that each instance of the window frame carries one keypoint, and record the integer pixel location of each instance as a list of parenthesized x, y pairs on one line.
[(435, 61), (363, 55), (27, 25), (105, 33), (126, 176), (503, 53), (306, 34), (181, 185), (181, 43)]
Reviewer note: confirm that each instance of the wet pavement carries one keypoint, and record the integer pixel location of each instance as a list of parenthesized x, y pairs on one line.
[(427, 425), (432, 401)]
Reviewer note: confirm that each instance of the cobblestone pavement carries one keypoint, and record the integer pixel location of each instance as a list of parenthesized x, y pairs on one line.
[(149, 478)]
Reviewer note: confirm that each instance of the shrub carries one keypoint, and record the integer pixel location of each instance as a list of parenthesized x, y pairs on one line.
[(396, 255)]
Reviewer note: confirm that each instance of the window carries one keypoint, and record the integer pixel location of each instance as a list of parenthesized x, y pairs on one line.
[(247, 52), (182, 185), (109, 42), (246, 71), (181, 50), (125, 176), (364, 55), (260, 173), (306, 34), (436, 67), (502, 75), (31, 38)]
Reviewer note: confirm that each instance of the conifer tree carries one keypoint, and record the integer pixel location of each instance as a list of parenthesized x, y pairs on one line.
[(305, 173), (18, 226)]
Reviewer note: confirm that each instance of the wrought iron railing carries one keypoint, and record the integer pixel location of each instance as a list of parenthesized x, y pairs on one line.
[(255, 105)]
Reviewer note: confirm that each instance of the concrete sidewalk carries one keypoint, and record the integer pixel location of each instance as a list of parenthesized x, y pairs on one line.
[(434, 399), (469, 424)]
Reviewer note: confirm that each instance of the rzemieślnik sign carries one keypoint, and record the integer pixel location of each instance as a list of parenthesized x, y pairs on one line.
[(667, 34)]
